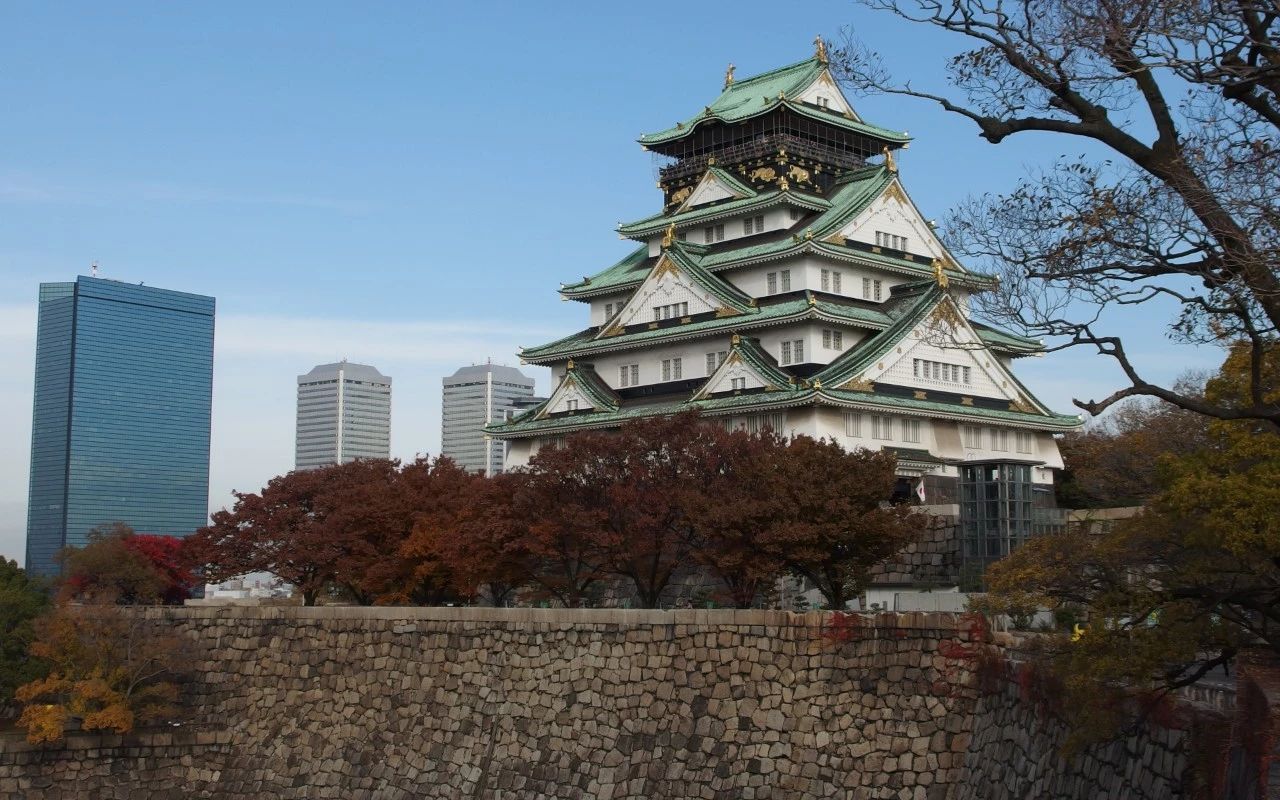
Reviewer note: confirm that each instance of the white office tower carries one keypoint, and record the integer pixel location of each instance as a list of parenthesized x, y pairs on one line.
[(344, 413), (473, 398)]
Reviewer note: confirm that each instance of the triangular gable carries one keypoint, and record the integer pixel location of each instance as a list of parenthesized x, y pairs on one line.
[(824, 88), (935, 331), (893, 212), (714, 186), (676, 284), (747, 366), (580, 390)]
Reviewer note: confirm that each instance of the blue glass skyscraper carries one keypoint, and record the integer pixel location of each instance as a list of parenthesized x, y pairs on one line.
[(120, 430)]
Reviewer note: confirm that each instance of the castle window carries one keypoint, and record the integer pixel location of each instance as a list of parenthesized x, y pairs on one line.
[(826, 280), (671, 369), (797, 214), (629, 375), (714, 360), (671, 311), (835, 282), (752, 225), (772, 280), (833, 340), (938, 371), (1000, 440), (875, 290), (1025, 441), (890, 241), (786, 280), (571, 405), (713, 233), (911, 430), (973, 437), (738, 384), (852, 423), (608, 311), (881, 426)]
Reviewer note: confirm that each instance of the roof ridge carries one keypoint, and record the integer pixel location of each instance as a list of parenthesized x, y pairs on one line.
[(738, 82)]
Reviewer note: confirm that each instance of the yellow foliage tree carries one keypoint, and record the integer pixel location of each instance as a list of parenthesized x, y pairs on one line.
[(1179, 590), (108, 670)]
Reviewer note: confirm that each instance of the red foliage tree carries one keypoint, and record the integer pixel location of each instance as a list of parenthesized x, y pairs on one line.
[(119, 565), (833, 521)]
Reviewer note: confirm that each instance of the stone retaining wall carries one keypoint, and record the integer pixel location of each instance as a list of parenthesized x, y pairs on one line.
[(522, 703)]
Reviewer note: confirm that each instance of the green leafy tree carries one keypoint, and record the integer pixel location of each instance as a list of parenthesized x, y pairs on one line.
[(22, 600)]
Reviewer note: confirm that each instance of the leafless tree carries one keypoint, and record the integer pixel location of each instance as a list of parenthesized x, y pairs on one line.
[(1180, 214)]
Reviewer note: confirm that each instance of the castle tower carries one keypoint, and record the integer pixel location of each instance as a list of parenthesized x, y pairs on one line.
[(790, 281)]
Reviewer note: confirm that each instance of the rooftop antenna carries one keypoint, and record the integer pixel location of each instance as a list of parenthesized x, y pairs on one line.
[(93, 269)]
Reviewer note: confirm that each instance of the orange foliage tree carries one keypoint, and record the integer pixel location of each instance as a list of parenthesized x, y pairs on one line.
[(109, 670)]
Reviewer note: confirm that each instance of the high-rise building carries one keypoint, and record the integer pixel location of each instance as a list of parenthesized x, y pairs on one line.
[(790, 282), (344, 413), (474, 397), (120, 428)]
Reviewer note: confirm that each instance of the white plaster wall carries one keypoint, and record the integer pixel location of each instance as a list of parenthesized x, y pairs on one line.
[(598, 316), (889, 215), (806, 273)]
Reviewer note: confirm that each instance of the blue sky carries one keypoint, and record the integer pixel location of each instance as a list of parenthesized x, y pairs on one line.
[(403, 184)]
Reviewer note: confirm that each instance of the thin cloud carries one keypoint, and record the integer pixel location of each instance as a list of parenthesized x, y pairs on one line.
[(26, 190), (442, 342)]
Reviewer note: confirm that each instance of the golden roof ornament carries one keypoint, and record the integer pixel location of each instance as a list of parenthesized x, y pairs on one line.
[(889, 163), (737, 340), (820, 49), (728, 77), (940, 273), (569, 365), (669, 237)]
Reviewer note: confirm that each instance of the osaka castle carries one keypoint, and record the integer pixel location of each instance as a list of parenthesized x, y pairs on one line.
[(790, 281)]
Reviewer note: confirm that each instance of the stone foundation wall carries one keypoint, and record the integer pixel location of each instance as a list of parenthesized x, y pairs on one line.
[(601, 704), (933, 559)]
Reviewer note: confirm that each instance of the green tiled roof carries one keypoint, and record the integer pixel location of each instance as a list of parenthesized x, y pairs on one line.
[(1005, 341), (626, 273), (594, 387), (761, 94), (1059, 421), (584, 343), (719, 288), (749, 350), (526, 425), (908, 306), (659, 222)]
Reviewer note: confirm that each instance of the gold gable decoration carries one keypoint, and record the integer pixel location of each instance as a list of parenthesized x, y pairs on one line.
[(894, 192), (820, 49), (1021, 405), (728, 77), (859, 385), (669, 237)]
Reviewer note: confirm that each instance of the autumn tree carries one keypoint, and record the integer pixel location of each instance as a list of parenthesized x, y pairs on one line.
[(465, 535), (279, 530), (737, 514), (1114, 461), (109, 668), (833, 521), (1178, 590), (564, 510), (1178, 212), (119, 565), (22, 600)]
